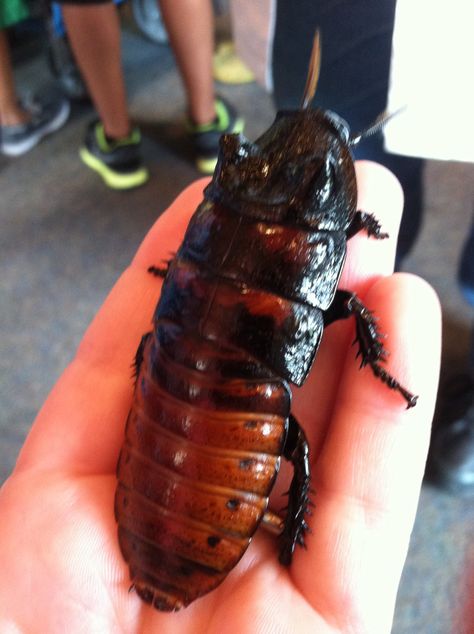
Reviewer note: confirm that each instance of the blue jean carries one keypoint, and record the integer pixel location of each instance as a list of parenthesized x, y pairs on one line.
[(356, 42), (57, 17)]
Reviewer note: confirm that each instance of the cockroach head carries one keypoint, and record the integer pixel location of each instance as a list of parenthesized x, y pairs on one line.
[(304, 133), (340, 125), (293, 168)]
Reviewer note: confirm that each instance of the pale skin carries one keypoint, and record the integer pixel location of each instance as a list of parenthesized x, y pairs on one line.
[(94, 34), (62, 570)]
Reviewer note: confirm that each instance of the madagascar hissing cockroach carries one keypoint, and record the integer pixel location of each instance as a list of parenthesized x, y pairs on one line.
[(242, 311)]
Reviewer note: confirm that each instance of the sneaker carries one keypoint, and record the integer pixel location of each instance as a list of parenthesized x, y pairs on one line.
[(206, 137), (118, 162), (45, 119), (228, 68)]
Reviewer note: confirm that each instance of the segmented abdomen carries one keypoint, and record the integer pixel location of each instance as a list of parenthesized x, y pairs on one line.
[(201, 454)]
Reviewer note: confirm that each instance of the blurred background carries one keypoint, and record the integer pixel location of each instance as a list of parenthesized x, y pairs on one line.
[(65, 237)]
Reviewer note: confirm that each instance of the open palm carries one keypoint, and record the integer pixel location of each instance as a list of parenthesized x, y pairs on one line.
[(62, 571)]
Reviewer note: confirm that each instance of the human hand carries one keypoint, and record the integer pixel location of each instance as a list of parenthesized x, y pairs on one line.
[(62, 571)]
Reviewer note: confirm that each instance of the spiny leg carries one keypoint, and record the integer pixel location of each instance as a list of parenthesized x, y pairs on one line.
[(157, 271), (295, 526), (364, 221), (161, 271), (371, 349), (137, 362)]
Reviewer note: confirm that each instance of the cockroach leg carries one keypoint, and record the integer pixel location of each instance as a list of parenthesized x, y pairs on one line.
[(371, 349), (157, 271), (297, 452), (137, 362), (368, 222), (161, 271)]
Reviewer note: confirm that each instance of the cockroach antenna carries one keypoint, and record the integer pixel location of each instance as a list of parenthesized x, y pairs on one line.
[(375, 127), (313, 72)]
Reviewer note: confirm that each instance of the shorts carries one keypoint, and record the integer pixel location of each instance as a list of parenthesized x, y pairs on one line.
[(12, 11), (82, 2)]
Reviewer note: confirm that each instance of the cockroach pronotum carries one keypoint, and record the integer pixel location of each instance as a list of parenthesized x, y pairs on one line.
[(242, 311)]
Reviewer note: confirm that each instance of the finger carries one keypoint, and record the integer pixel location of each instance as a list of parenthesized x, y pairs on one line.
[(379, 193), (80, 426), (369, 473)]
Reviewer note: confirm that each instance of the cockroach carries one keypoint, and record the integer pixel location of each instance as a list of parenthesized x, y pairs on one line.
[(243, 307)]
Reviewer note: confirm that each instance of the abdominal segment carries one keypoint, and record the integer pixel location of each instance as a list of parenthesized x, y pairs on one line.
[(201, 454)]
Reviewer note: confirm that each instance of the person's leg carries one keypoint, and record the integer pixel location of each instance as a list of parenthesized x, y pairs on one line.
[(94, 35), (190, 26), (112, 146), (11, 112), (22, 126), (355, 65)]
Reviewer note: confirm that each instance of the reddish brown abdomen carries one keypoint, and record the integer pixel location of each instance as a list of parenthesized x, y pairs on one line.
[(202, 450)]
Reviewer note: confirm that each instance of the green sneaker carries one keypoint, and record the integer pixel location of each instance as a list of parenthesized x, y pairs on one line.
[(118, 162), (206, 137)]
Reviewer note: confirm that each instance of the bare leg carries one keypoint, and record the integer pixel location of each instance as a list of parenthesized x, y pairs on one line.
[(11, 113), (94, 33), (190, 26)]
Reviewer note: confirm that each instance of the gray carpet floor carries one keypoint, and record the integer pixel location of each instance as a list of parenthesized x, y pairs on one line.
[(65, 238)]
